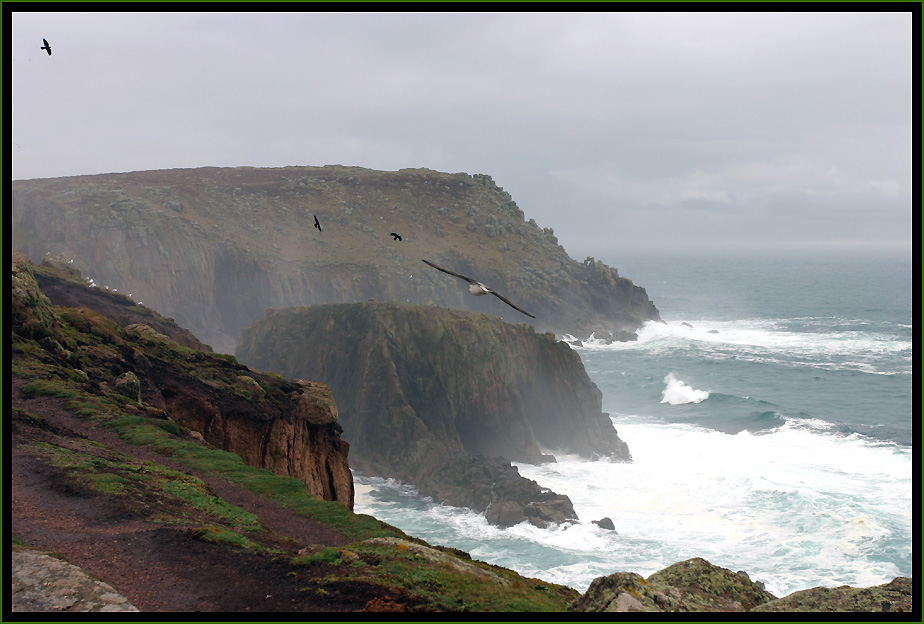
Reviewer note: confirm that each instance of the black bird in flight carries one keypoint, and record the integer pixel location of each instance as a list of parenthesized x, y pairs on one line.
[(46, 47), (397, 236), (478, 289), (317, 224)]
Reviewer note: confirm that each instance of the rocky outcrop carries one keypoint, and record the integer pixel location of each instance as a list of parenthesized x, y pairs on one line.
[(695, 585), (43, 583), (692, 585), (286, 426), (432, 396), (215, 247), (894, 597)]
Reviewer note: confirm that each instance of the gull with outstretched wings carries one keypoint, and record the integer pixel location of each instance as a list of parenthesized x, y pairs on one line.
[(478, 289)]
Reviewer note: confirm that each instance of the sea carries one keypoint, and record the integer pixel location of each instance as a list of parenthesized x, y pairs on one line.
[(770, 421)]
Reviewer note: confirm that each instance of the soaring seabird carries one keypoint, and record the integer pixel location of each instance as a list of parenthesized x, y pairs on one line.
[(46, 47), (317, 224), (397, 236), (478, 289)]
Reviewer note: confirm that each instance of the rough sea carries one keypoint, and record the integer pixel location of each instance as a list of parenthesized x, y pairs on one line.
[(770, 424)]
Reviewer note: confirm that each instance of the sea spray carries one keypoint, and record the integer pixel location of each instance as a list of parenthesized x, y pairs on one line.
[(678, 393), (797, 468)]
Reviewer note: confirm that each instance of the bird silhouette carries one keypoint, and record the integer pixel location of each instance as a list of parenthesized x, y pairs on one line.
[(317, 224), (397, 236), (46, 47), (478, 289)]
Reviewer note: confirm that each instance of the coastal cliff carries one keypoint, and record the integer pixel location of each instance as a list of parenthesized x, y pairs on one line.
[(215, 247), (287, 427), (150, 517), (434, 397)]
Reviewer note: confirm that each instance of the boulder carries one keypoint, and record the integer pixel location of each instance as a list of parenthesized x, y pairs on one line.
[(605, 523)]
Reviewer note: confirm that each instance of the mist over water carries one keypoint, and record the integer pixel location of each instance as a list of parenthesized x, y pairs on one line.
[(770, 431)]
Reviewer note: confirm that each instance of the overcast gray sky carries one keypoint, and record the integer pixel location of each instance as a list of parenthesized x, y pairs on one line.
[(623, 132)]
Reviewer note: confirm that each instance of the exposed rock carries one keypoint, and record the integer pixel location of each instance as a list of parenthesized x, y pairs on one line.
[(287, 427), (30, 307), (692, 585), (605, 523), (127, 385), (697, 585), (495, 487), (215, 247), (438, 397), (894, 597), (46, 584)]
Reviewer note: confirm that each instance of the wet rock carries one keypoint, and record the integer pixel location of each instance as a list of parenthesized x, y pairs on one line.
[(605, 523)]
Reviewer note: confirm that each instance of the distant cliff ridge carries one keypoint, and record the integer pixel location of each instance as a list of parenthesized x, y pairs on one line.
[(421, 390), (215, 247)]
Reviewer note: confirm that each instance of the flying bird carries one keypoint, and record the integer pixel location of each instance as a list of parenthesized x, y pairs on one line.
[(397, 236), (478, 289), (46, 47), (317, 224)]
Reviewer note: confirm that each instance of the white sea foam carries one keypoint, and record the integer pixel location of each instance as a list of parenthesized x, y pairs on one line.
[(799, 342), (791, 507), (678, 393), (796, 507)]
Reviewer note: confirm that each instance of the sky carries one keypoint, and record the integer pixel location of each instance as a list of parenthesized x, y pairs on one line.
[(623, 132)]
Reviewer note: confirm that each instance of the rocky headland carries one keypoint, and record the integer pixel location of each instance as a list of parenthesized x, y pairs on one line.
[(445, 399), (116, 505), (215, 247)]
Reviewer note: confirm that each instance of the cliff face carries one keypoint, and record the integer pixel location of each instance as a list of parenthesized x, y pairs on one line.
[(287, 427), (215, 247), (422, 389)]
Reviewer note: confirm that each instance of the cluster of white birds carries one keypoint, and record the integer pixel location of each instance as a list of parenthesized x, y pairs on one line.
[(91, 283)]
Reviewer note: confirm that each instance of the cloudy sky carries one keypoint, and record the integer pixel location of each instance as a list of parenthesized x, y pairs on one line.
[(624, 132)]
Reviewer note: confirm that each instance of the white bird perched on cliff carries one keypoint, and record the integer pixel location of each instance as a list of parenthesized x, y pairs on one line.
[(478, 289)]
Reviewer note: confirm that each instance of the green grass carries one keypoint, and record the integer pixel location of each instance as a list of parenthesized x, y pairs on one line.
[(437, 584), (104, 470)]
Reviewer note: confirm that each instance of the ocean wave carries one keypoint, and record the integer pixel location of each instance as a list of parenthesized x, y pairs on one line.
[(799, 342), (678, 393)]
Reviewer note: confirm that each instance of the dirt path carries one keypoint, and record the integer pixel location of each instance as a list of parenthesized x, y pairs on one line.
[(161, 568)]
